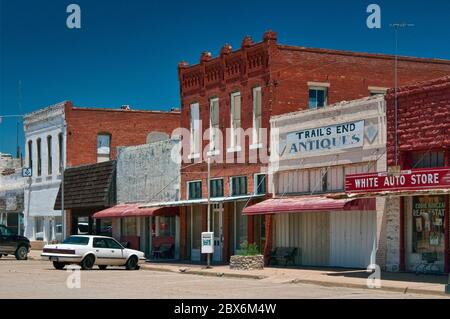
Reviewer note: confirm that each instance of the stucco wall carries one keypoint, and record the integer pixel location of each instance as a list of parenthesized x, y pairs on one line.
[(147, 173)]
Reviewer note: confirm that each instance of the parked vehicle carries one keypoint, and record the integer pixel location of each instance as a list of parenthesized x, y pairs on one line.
[(90, 250), (13, 244)]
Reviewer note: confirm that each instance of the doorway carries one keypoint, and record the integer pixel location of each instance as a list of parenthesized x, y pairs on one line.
[(217, 221)]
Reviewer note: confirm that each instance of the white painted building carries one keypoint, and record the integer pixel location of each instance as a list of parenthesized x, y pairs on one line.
[(312, 151), (45, 153)]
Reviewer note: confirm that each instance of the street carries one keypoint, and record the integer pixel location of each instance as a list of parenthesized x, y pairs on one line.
[(38, 279)]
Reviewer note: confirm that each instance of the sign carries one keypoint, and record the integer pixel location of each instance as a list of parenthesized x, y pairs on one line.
[(207, 242), (334, 137), (27, 172), (415, 179)]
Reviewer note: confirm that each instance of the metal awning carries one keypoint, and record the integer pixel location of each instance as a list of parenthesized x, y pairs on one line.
[(133, 210), (189, 202), (309, 204)]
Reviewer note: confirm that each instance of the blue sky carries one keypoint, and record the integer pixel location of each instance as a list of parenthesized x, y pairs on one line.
[(127, 52)]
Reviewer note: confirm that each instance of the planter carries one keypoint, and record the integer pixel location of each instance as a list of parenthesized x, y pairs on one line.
[(238, 262)]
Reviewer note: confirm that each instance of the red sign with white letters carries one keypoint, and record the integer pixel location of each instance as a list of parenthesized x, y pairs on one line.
[(414, 179)]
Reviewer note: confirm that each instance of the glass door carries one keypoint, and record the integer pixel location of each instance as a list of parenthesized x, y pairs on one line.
[(217, 220)]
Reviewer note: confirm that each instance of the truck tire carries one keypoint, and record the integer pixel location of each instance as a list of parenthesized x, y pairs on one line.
[(21, 253)]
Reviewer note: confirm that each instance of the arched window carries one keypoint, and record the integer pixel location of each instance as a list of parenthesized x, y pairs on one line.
[(60, 150), (103, 147), (49, 155), (30, 154), (39, 157)]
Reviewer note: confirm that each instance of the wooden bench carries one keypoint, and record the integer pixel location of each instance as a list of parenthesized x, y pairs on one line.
[(286, 254)]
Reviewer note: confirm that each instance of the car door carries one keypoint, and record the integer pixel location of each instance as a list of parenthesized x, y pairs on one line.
[(116, 252), (102, 251)]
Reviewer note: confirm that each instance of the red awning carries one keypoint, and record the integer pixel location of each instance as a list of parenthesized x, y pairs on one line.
[(133, 210), (309, 204)]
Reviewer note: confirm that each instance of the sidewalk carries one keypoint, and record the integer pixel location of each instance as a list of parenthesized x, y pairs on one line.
[(399, 282)]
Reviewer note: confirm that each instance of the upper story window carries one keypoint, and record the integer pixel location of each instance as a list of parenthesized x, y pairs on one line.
[(257, 111), (103, 147), (195, 129), (60, 150), (30, 154), (238, 185), (214, 124), (49, 155), (260, 184), (216, 187), (318, 96), (39, 157), (427, 159), (194, 190), (235, 120)]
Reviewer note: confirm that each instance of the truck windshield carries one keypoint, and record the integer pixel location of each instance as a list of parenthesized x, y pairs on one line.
[(76, 240)]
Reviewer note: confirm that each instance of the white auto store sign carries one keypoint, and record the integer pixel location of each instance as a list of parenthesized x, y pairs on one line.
[(333, 137)]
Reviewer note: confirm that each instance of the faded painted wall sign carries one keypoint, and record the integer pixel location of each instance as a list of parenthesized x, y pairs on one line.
[(333, 137)]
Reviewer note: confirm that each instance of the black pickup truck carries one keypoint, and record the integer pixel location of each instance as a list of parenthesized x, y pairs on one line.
[(13, 244)]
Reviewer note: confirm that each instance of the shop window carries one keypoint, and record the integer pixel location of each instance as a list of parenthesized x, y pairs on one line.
[(166, 226), (260, 184), (257, 115), (39, 157), (216, 187), (129, 226), (427, 159), (428, 233), (325, 181), (195, 190), (238, 185), (195, 129), (196, 220), (317, 97), (103, 147), (240, 223), (49, 155), (105, 227)]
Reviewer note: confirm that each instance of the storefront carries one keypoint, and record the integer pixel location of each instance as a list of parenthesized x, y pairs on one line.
[(316, 150)]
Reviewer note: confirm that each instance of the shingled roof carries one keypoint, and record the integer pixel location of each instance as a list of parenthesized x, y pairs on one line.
[(89, 186)]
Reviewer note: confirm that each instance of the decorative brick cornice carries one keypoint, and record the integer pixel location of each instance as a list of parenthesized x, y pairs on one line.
[(47, 113)]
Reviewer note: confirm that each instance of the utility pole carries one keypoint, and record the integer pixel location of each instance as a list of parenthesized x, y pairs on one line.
[(208, 257), (396, 27)]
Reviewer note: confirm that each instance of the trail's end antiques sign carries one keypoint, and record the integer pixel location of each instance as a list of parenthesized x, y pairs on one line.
[(414, 179), (340, 136)]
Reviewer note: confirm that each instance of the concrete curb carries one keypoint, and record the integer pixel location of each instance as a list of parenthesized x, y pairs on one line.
[(361, 286), (203, 273)]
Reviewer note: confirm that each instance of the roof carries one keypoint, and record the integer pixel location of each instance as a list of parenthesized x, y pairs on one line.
[(88, 186), (441, 83)]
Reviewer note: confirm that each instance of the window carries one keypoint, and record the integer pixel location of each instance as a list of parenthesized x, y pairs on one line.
[(194, 190), (427, 159), (235, 120), (129, 226), (216, 187), (60, 149), (30, 154), (103, 148), (49, 155), (238, 185), (113, 244), (317, 97), (214, 124), (257, 109), (166, 226), (39, 158), (76, 240), (260, 184), (325, 181), (241, 224), (195, 128), (99, 243)]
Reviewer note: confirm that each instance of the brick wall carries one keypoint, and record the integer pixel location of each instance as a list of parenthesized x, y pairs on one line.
[(423, 118), (127, 127)]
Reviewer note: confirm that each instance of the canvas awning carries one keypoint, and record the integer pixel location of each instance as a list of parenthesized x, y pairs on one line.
[(133, 210), (309, 204)]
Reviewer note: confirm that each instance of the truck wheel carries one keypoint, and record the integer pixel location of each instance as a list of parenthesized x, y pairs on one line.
[(132, 263), (58, 265), (88, 262), (21, 253)]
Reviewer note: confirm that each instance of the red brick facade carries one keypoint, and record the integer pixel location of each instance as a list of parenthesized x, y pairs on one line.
[(423, 119), (126, 127), (284, 74)]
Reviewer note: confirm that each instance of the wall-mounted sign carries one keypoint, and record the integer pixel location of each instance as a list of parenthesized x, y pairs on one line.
[(207, 242), (27, 172), (333, 137), (414, 179)]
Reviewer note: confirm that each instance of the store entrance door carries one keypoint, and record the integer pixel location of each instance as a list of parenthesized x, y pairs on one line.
[(217, 221)]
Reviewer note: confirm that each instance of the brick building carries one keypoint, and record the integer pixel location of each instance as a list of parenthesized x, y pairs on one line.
[(64, 136), (242, 89)]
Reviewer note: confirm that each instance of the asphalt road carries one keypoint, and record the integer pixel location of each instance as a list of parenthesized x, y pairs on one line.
[(38, 279)]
